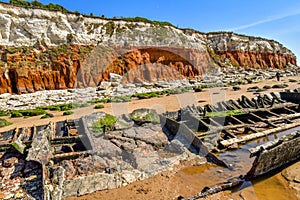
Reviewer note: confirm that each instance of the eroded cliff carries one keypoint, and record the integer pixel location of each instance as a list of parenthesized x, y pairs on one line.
[(248, 51), (43, 49)]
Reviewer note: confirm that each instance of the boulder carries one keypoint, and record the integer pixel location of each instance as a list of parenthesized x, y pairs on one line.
[(236, 88), (144, 115), (115, 78), (123, 122)]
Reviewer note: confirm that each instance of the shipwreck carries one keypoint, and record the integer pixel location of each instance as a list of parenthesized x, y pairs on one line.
[(70, 158)]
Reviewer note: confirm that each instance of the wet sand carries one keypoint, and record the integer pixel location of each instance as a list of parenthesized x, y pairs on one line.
[(189, 181)]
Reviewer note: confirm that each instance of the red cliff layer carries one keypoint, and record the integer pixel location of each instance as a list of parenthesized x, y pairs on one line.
[(153, 64), (227, 48), (255, 60), (70, 66)]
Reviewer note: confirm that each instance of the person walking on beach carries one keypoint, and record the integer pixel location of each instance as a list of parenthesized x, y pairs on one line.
[(278, 76)]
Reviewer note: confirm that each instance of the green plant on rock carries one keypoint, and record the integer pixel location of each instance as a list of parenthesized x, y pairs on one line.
[(60, 107), (4, 113), (146, 95), (120, 99), (110, 28), (99, 106), (224, 114), (93, 101), (3, 123), (106, 122), (30, 112), (197, 89), (15, 114), (143, 115), (83, 105), (47, 115)]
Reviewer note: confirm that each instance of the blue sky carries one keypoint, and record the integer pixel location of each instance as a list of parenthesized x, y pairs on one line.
[(276, 19)]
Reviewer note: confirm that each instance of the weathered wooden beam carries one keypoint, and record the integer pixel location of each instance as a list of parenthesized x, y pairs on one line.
[(246, 138), (214, 130), (287, 117), (215, 122), (277, 106), (236, 119), (66, 140), (71, 155), (292, 111), (215, 189), (229, 134), (274, 154), (262, 120), (272, 113), (236, 104)]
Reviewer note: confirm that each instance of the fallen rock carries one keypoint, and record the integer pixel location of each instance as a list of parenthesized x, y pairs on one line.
[(236, 88), (253, 89), (123, 122), (280, 86), (115, 77)]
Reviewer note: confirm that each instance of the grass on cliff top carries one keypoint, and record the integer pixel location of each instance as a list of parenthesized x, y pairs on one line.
[(4, 123), (57, 7)]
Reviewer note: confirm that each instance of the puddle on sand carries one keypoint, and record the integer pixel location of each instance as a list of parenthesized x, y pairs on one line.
[(274, 187), (203, 175), (268, 187)]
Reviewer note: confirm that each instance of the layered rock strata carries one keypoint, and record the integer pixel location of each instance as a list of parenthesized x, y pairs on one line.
[(45, 50)]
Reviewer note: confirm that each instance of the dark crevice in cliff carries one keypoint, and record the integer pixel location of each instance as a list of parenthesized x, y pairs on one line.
[(13, 80)]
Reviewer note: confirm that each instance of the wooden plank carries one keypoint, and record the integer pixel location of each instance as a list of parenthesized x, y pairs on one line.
[(246, 138)]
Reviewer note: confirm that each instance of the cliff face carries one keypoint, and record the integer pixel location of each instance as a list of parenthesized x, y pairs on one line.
[(247, 51), (42, 49)]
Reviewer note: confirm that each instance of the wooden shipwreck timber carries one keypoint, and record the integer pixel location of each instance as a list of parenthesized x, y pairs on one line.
[(231, 123), (69, 158)]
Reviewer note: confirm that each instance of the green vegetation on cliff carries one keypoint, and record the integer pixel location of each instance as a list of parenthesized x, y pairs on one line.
[(57, 7), (37, 4)]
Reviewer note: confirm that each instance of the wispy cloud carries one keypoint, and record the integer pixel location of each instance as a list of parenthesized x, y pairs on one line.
[(269, 19)]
